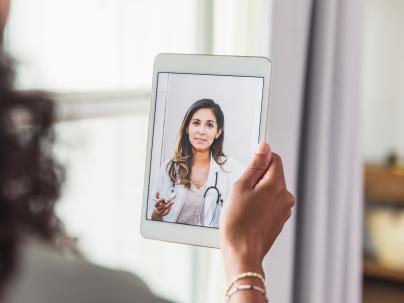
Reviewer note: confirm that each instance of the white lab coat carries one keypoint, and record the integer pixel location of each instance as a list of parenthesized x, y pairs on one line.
[(230, 172)]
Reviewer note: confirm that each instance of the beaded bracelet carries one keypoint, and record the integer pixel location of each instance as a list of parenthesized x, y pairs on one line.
[(243, 276), (246, 287)]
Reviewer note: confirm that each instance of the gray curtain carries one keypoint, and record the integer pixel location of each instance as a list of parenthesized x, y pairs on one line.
[(316, 83), (288, 56)]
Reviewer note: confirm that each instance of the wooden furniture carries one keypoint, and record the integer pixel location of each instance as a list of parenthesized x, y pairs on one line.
[(383, 185), (374, 270), (376, 291)]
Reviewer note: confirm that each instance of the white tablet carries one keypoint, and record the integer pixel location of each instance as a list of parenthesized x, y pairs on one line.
[(207, 116)]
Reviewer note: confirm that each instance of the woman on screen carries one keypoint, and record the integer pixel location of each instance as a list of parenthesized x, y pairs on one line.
[(195, 182)]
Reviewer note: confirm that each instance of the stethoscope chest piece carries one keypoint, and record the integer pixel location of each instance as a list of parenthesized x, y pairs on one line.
[(171, 193)]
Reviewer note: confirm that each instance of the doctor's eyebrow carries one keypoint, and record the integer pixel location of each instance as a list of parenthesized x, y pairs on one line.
[(199, 120)]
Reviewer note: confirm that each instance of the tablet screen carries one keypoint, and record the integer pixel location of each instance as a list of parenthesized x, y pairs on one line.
[(206, 127)]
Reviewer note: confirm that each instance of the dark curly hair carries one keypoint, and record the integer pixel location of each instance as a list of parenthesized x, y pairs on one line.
[(30, 178)]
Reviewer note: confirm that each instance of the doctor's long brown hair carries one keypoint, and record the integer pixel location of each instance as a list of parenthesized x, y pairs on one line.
[(179, 168)]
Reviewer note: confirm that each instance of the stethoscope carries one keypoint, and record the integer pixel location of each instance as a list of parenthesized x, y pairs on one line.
[(219, 200)]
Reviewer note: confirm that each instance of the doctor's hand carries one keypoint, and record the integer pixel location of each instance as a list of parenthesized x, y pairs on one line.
[(254, 214), (161, 208)]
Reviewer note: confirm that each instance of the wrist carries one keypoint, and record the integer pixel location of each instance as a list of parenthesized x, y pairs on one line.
[(237, 262)]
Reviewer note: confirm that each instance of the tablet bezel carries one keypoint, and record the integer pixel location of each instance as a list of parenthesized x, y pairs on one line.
[(198, 64)]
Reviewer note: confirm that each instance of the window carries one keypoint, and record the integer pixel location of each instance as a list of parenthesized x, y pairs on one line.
[(97, 56), (95, 45)]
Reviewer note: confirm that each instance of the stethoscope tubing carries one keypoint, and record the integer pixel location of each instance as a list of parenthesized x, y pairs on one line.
[(219, 200)]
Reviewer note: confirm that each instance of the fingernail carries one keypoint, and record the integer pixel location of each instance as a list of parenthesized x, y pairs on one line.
[(262, 148)]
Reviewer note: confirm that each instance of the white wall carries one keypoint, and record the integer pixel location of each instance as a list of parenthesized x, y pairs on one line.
[(383, 79), (239, 98)]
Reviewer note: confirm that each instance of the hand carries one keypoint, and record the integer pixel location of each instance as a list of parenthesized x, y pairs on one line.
[(254, 214), (161, 208)]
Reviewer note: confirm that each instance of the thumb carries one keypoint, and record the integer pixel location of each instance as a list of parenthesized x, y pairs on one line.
[(258, 165)]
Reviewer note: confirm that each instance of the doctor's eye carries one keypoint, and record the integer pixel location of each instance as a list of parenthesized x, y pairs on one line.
[(195, 123), (211, 125)]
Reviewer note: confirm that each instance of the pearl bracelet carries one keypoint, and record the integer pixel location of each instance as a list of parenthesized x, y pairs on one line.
[(243, 276), (246, 287)]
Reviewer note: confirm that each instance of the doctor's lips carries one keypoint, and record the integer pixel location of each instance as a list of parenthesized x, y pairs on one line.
[(200, 140)]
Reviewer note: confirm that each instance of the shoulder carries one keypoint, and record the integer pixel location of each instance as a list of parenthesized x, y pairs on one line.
[(44, 273), (233, 166)]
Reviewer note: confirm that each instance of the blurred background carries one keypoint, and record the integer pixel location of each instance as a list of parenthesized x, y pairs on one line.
[(96, 57), (383, 151)]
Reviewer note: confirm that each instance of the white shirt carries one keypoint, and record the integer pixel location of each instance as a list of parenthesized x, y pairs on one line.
[(227, 174)]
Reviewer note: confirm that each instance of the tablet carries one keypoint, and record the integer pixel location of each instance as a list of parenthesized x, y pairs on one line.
[(207, 116)]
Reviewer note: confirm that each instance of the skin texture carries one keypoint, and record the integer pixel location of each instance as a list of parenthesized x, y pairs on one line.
[(252, 218), (4, 8), (202, 131)]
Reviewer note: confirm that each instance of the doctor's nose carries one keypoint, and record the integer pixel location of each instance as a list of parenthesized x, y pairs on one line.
[(201, 129)]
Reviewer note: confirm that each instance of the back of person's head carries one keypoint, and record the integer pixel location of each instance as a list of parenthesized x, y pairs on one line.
[(29, 176)]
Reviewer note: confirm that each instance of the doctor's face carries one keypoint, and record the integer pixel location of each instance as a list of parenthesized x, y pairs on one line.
[(203, 130)]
